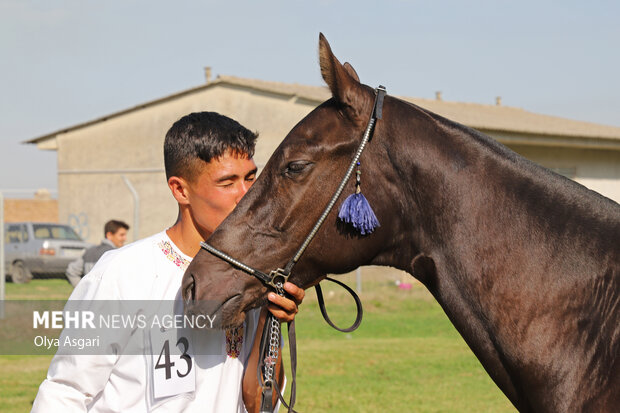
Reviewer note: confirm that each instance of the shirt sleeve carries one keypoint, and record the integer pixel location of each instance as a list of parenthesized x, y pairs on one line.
[(73, 381), (75, 271)]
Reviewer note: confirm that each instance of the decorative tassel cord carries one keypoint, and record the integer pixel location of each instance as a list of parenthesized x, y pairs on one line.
[(356, 210)]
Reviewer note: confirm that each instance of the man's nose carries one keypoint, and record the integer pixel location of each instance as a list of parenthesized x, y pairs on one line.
[(245, 185)]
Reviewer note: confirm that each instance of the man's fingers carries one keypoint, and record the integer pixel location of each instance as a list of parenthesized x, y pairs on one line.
[(280, 314), (286, 304), (285, 308), (297, 293)]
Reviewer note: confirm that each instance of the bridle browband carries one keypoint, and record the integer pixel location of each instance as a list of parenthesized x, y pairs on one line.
[(278, 277)]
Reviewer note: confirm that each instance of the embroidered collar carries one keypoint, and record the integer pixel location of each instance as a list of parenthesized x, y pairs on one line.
[(173, 255)]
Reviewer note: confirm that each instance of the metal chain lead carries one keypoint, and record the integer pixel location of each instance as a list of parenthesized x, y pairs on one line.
[(274, 342)]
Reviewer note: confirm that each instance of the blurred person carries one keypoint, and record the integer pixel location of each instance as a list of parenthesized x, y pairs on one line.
[(209, 168), (115, 235)]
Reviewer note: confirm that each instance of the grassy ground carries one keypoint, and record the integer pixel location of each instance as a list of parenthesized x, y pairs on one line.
[(406, 356), (20, 376), (39, 289)]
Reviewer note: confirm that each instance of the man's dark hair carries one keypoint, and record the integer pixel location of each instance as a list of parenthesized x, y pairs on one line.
[(204, 136), (113, 226)]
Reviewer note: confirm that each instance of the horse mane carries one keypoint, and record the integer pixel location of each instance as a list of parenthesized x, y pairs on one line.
[(549, 180), (534, 198)]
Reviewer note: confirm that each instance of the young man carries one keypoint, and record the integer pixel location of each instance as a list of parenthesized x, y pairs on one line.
[(115, 235), (209, 167)]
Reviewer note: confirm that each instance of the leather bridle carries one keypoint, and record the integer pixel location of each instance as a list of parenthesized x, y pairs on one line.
[(278, 277)]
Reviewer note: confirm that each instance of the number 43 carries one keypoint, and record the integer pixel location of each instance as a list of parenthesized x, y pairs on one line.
[(168, 364)]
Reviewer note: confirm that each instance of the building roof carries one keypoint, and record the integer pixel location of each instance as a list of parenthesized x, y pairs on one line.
[(475, 115), (497, 118), (516, 120)]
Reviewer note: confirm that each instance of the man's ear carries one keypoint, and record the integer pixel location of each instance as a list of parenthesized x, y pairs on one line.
[(178, 186)]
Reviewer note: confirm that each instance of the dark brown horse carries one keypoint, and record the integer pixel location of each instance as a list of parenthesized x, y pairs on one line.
[(525, 263)]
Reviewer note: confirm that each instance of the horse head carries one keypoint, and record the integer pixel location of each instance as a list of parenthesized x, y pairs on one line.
[(272, 220)]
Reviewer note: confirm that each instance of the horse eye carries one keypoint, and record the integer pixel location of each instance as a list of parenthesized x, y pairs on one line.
[(296, 167)]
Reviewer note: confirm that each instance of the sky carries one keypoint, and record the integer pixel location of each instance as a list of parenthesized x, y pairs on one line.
[(67, 62)]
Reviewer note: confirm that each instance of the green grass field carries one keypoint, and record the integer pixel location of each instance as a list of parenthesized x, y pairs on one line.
[(20, 376), (406, 356)]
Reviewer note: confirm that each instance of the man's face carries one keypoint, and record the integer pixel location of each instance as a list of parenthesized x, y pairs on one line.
[(218, 188), (117, 238)]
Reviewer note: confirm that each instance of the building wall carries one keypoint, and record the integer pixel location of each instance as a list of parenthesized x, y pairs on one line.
[(93, 160), (597, 169), (39, 210)]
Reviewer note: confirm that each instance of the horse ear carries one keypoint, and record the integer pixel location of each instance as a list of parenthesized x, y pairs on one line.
[(341, 79), (351, 71)]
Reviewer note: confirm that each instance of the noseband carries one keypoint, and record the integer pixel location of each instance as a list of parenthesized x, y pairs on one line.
[(278, 277)]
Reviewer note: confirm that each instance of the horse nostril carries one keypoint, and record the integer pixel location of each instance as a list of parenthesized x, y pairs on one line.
[(193, 288)]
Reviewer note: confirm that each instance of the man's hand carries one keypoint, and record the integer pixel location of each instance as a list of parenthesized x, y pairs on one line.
[(284, 308)]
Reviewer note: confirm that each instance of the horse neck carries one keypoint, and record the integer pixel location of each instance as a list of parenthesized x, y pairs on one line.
[(459, 224), (497, 227), (466, 193)]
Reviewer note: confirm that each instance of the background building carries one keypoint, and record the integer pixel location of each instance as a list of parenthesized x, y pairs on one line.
[(41, 208), (112, 167)]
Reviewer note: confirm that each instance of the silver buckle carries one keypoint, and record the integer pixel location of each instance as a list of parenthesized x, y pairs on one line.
[(276, 275)]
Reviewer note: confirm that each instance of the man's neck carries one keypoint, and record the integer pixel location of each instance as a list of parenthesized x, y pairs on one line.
[(185, 236)]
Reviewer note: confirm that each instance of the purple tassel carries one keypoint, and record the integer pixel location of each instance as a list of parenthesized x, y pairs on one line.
[(356, 210)]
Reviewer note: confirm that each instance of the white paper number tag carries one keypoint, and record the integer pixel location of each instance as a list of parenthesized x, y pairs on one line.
[(173, 365)]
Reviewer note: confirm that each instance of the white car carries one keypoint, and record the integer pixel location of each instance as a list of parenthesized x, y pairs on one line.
[(39, 248)]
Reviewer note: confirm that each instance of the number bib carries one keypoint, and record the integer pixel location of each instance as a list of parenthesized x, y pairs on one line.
[(173, 369)]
